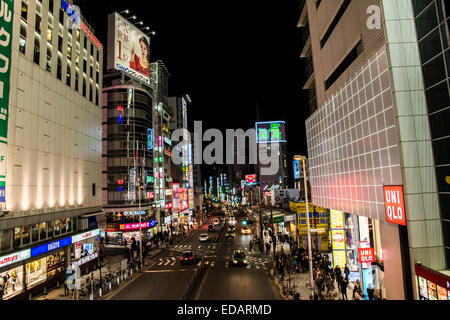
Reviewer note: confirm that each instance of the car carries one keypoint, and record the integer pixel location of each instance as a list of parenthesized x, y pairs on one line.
[(230, 233), (211, 228), (203, 237), (216, 222), (232, 218), (231, 228), (239, 258), (246, 230), (188, 257)]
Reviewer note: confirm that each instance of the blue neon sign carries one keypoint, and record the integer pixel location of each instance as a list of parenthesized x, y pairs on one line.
[(149, 139), (51, 246), (296, 169)]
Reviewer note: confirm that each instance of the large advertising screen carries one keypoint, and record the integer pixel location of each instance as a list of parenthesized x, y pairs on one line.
[(296, 169), (128, 49), (270, 132)]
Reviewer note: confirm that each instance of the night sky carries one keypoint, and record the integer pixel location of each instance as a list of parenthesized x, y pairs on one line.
[(228, 56)]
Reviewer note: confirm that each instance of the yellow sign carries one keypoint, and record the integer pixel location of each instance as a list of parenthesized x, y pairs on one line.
[(338, 239), (301, 207), (339, 259), (337, 219)]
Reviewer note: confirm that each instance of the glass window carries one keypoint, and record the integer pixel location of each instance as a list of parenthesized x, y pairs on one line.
[(84, 65), (42, 231), (68, 224), (24, 11), (57, 227), (78, 35), (50, 6), (63, 226), (442, 157), (50, 229), (90, 92), (437, 97), (426, 22), (69, 52), (76, 81), (434, 71), (59, 68), (17, 237), (439, 123), (91, 72), (430, 46), (37, 50), (61, 16), (35, 233), (5, 239), (92, 49), (84, 86), (38, 24), (68, 75), (75, 223), (49, 59), (23, 37), (85, 42), (60, 43), (25, 235), (50, 34), (419, 5)]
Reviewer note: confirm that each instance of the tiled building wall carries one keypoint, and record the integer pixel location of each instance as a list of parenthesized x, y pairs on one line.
[(352, 143)]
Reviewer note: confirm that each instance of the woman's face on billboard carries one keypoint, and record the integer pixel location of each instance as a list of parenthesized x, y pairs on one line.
[(143, 49)]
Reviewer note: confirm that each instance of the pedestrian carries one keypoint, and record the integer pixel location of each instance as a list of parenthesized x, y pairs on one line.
[(66, 289), (333, 277), (359, 288), (125, 243), (267, 248), (343, 285), (338, 271), (356, 295), (250, 245), (346, 272), (370, 291)]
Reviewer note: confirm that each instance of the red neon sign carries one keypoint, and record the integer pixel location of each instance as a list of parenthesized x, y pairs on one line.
[(394, 204), (91, 35), (366, 255), (134, 226), (251, 178), (119, 108), (120, 182)]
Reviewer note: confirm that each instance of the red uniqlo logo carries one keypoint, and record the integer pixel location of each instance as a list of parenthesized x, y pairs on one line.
[(395, 206), (366, 255)]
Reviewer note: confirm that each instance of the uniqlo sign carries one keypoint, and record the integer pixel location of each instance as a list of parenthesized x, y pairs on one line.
[(366, 255), (394, 204)]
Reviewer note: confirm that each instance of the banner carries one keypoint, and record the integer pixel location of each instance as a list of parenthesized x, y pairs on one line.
[(6, 18)]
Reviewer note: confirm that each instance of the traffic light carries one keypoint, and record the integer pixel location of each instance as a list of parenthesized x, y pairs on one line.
[(244, 222)]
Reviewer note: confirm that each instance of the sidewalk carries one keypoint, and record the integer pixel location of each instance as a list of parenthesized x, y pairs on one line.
[(111, 264), (299, 281)]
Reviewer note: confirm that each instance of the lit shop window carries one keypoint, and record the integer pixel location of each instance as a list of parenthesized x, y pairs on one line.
[(25, 235), (17, 236), (34, 233), (50, 29), (42, 231)]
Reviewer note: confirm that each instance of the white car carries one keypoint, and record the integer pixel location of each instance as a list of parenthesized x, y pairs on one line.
[(246, 230), (216, 222), (203, 237)]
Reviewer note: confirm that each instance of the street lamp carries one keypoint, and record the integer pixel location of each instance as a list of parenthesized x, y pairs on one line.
[(126, 11), (140, 227), (311, 280)]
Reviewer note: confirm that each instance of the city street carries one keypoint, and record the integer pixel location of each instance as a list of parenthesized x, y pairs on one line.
[(165, 278)]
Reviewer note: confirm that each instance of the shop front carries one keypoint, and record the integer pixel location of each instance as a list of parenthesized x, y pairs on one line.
[(431, 284), (28, 271)]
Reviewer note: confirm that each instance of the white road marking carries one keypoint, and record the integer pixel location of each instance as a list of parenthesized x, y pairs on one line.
[(199, 246), (173, 258), (171, 270), (213, 247), (168, 261), (160, 263), (173, 263), (212, 264), (257, 267)]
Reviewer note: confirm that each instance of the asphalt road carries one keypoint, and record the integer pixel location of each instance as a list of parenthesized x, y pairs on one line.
[(167, 279)]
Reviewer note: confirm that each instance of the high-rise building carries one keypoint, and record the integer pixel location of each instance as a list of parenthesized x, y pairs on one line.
[(271, 141), (50, 126), (377, 136)]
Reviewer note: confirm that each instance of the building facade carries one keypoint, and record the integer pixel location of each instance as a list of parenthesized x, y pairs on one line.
[(371, 130), (51, 143)]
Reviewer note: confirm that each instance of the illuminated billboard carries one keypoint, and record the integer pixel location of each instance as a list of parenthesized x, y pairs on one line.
[(296, 169), (271, 132), (128, 49), (250, 178)]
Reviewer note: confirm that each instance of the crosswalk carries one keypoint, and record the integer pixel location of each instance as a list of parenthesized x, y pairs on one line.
[(253, 263), (194, 246)]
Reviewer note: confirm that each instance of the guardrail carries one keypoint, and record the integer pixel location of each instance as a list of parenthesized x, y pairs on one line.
[(196, 278)]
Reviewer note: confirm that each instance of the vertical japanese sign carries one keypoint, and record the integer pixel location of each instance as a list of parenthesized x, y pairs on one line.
[(394, 204), (175, 197), (6, 18)]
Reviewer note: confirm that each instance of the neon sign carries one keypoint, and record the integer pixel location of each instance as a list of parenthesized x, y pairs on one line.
[(149, 139), (267, 132), (70, 11), (91, 35)]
